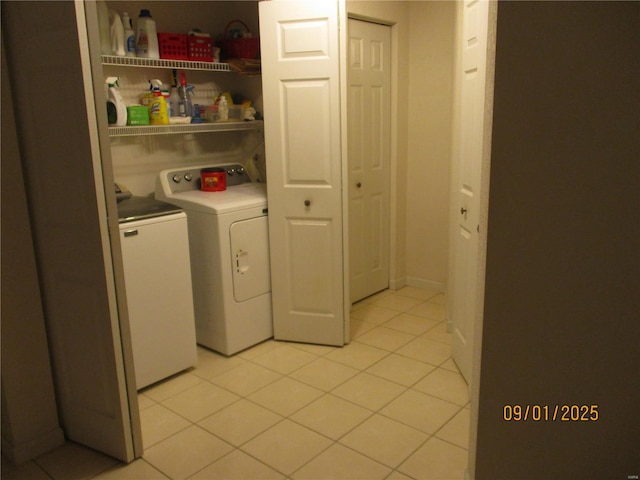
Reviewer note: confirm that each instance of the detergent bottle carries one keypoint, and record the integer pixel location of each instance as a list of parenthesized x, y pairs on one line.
[(116, 108), (147, 37), (158, 110), (116, 33)]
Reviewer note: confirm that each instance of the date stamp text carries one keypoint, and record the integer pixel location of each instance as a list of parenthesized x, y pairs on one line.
[(550, 413)]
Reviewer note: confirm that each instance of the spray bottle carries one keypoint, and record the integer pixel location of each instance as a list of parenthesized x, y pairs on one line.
[(158, 110), (185, 102), (116, 108)]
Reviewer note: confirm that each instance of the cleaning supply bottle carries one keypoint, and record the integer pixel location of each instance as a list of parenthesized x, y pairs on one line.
[(103, 24), (158, 110), (223, 109), (116, 32), (129, 36), (174, 101), (147, 37), (185, 108), (116, 108)]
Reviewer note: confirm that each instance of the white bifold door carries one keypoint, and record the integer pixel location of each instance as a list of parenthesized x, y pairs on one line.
[(300, 51)]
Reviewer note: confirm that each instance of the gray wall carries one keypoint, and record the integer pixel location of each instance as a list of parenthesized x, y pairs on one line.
[(562, 305)]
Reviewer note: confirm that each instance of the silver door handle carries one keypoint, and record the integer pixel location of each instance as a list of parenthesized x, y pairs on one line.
[(130, 233)]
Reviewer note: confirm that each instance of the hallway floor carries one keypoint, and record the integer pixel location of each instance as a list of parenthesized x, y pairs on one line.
[(389, 405)]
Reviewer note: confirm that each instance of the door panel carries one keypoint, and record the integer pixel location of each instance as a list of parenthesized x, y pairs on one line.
[(369, 110), (307, 154), (310, 293), (301, 92)]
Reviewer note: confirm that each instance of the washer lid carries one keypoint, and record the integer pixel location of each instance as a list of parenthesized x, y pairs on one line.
[(138, 208), (240, 197)]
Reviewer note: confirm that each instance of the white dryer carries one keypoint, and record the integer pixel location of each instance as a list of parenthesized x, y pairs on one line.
[(229, 248)]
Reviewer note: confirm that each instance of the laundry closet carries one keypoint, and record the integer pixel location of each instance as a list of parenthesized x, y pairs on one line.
[(201, 150)]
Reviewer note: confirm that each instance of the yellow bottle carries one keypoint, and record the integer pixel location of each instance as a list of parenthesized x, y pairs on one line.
[(158, 111)]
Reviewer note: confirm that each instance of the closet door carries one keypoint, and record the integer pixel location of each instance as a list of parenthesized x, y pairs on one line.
[(301, 91), (90, 348), (369, 133)]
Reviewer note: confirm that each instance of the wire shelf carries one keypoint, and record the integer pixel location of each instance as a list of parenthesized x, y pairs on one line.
[(163, 63), (187, 128)]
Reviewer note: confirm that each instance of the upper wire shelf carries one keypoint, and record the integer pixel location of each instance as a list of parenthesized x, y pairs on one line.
[(164, 63)]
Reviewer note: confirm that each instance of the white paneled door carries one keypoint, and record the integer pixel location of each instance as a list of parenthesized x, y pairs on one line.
[(301, 92), (469, 147), (368, 130)]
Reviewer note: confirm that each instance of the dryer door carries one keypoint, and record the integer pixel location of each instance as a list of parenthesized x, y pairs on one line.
[(250, 258)]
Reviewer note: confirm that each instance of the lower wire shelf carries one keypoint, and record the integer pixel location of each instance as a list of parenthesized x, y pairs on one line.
[(184, 128)]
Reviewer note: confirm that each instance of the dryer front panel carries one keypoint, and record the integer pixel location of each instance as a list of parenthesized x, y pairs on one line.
[(250, 258)]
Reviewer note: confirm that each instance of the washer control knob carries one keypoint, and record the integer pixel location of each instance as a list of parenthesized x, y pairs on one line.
[(240, 171), (188, 177), (176, 178), (231, 172)]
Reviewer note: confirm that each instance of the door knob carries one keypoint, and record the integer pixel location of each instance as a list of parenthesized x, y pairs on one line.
[(359, 184), (463, 210), (307, 203)]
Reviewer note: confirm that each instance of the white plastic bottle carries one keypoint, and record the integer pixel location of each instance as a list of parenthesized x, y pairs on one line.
[(223, 109), (147, 37), (116, 108), (103, 23), (116, 31), (129, 36)]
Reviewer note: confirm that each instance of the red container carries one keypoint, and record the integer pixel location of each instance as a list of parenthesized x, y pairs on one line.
[(243, 47), (213, 179), (200, 47), (173, 46)]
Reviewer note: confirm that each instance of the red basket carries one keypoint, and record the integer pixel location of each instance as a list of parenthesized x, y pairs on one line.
[(245, 47), (173, 46), (200, 47)]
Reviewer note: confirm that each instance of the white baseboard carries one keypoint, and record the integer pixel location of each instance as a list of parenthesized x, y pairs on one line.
[(397, 284), (422, 283)]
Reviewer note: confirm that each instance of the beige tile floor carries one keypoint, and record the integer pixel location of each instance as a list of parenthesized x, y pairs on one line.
[(389, 405)]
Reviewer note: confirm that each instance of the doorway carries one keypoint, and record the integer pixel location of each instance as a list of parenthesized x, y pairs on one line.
[(369, 152)]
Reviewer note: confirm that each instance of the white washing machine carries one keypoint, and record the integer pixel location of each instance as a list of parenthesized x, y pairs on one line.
[(155, 254), (229, 247)]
